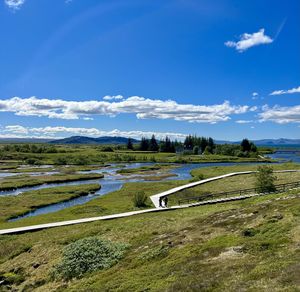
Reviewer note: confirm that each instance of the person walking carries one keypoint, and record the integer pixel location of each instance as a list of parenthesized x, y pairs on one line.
[(166, 201), (160, 201)]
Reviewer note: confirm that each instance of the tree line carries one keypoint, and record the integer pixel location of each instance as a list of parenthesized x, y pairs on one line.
[(193, 144)]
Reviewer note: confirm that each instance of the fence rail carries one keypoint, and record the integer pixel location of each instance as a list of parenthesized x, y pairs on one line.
[(278, 189)]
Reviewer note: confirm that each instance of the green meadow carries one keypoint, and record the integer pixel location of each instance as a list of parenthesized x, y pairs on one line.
[(248, 245)]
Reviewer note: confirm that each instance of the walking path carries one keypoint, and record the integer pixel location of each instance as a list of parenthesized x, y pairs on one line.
[(154, 199)]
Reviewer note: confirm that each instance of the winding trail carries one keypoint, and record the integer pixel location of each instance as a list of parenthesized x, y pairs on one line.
[(154, 199)]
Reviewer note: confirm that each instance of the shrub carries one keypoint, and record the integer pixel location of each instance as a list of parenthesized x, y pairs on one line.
[(196, 150), (60, 160), (107, 149), (139, 199), (88, 255), (81, 160), (33, 161), (265, 179)]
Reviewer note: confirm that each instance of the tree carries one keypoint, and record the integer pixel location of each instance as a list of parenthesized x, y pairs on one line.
[(203, 144), (129, 144), (253, 147), (188, 142), (144, 145), (207, 150), (245, 145), (211, 144), (196, 150), (265, 179), (153, 146)]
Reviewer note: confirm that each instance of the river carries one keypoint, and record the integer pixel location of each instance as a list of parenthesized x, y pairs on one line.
[(113, 181)]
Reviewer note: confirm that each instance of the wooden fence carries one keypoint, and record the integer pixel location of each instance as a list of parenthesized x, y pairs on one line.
[(210, 196)]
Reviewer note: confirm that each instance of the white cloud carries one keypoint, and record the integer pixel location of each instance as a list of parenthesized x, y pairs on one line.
[(14, 4), (144, 108), (255, 95), (61, 131), (281, 115), (290, 91), (243, 121), (114, 97), (16, 129), (250, 40)]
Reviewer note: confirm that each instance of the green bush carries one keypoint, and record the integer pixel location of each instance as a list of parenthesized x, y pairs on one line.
[(265, 179), (139, 199), (60, 160), (33, 161), (107, 149), (88, 255), (196, 150), (81, 160)]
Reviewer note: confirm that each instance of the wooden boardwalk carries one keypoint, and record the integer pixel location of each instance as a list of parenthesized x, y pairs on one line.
[(155, 200)]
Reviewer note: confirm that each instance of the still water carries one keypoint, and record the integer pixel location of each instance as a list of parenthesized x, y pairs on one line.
[(113, 181)]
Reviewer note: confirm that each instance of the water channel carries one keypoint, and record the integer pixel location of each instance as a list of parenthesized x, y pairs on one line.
[(113, 181)]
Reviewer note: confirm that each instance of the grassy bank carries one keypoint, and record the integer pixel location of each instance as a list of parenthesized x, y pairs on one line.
[(13, 206), (239, 246), (91, 154), (147, 169), (229, 184), (19, 181), (207, 172), (114, 202)]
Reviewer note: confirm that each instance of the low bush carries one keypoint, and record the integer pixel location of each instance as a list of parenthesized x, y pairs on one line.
[(107, 149), (33, 161), (88, 255), (139, 199)]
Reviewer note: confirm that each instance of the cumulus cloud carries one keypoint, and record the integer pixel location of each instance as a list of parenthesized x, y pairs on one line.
[(114, 97), (290, 91), (143, 108), (248, 40), (61, 131), (14, 4), (281, 115), (16, 129)]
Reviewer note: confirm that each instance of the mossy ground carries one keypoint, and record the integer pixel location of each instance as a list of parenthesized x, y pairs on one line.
[(12, 206), (25, 180), (197, 249), (250, 245)]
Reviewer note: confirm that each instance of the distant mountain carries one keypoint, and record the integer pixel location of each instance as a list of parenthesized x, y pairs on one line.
[(24, 140), (266, 142), (89, 140), (276, 142)]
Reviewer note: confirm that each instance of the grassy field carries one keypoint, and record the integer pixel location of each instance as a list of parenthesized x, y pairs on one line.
[(62, 169), (115, 202), (251, 245), (24, 180), (152, 169), (91, 154), (229, 184), (13, 206), (207, 172)]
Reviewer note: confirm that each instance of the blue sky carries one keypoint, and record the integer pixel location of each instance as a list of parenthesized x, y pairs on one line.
[(226, 69)]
